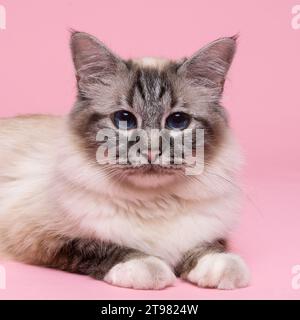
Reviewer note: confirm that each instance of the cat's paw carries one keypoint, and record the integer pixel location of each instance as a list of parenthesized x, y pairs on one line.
[(141, 273), (220, 270)]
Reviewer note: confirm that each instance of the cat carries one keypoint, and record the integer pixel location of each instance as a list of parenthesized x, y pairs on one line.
[(134, 226)]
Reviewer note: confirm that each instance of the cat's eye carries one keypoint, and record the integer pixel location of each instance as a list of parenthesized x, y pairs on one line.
[(124, 119), (178, 120)]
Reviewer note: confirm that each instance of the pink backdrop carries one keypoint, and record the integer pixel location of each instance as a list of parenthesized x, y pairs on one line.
[(262, 95)]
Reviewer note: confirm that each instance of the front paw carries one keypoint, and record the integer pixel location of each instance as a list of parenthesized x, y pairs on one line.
[(141, 273), (220, 270)]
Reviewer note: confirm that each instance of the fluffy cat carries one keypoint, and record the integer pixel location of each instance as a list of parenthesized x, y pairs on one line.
[(131, 226)]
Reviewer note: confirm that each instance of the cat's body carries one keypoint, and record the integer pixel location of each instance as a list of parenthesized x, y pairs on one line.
[(39, 185), (60, 209)]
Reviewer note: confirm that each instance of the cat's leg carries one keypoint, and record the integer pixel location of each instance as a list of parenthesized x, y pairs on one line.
[(209, 265), (117, 265)]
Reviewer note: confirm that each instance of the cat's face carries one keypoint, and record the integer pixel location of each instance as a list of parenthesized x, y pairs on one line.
[(140, 100)]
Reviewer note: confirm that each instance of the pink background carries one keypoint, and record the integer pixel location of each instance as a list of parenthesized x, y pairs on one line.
[(262, 96)]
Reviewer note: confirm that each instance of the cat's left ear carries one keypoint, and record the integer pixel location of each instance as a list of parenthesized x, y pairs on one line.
[(209, 66), (93, 61)]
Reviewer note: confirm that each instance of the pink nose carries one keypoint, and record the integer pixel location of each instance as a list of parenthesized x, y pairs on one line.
[(151, 156)]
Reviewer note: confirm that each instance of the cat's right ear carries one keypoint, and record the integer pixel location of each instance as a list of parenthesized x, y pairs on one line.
[(93, 61)]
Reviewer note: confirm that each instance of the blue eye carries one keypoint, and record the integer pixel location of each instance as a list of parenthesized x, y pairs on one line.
[(178, 120), (124, 116)]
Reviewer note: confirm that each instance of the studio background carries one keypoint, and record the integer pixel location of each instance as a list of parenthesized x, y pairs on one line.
[(261, 95)]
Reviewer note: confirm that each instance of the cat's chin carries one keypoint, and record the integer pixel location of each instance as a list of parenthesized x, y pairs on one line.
[(152, 176), (150, 180)]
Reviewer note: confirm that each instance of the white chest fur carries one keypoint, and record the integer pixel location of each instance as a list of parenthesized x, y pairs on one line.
[(166, 228)]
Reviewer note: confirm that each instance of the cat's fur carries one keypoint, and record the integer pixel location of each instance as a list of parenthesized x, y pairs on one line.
[(129, 226)]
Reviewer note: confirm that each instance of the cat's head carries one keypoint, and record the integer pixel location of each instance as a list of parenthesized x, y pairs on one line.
[(120, 99)]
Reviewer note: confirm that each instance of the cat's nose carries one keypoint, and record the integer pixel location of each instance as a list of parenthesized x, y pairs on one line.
[(151, 155)]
